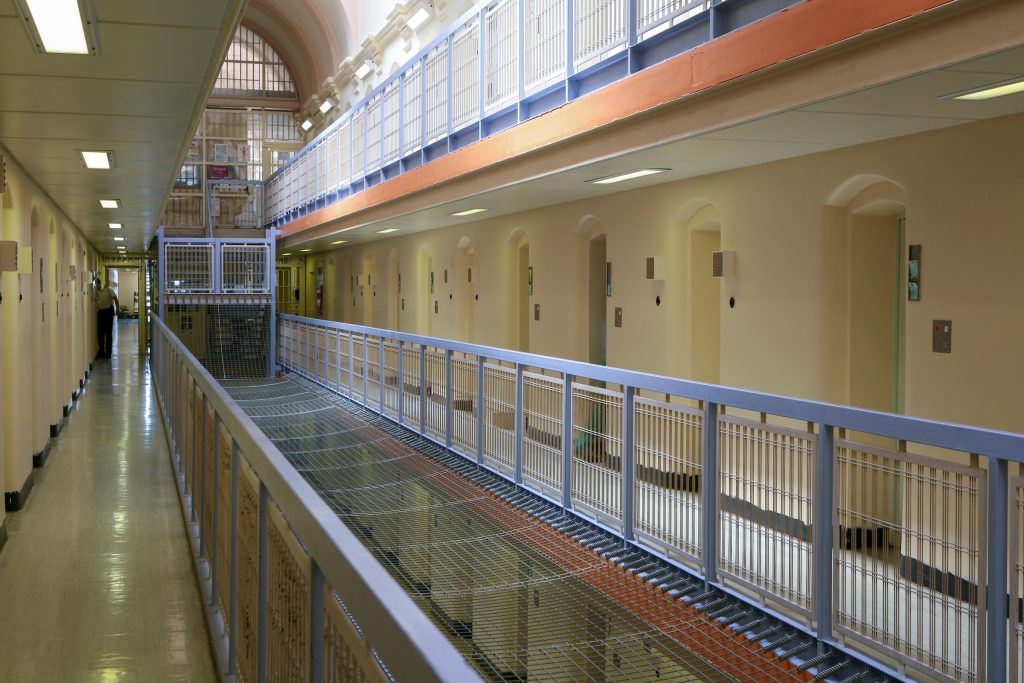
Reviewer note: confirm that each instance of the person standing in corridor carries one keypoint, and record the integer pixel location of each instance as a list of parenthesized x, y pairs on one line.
[(106, 301)]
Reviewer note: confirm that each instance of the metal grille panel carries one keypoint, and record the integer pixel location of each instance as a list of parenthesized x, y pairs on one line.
[(502, 62), (599, 29), (544, 43), (188, 268), (653, 13), (243, 268), (392, 107), (373, 134), (412, 107), (437, 93)]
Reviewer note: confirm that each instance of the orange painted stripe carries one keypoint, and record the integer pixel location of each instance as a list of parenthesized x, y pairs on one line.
[(790, 33)]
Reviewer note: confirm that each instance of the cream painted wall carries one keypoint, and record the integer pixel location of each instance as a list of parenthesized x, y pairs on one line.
[(789, 330), (48, 326)]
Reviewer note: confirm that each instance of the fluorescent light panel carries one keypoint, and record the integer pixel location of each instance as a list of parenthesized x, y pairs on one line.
[(115, 226), (339, 242), (469, 212), (418, 18), (97, 160), (305, 250), (307, 124), (110, 203), (287, 253), (59, 24), (326, 106), (387, 231), (988, 92), (119, 239), (630, 175)]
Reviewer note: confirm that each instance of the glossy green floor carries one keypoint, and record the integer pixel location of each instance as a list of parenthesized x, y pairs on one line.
[(96, 580)]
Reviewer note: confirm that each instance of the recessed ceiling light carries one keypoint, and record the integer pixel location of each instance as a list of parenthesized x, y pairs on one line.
[(115, 226), (639, 173), (469, 212), (990, 91), (418, 18), (287, 253), (307, 124), (364, 69), (98, 160), (387, 231), (119, 239), (59, 25), (326, 106), (110, 203), (339, 242), (305, 250)]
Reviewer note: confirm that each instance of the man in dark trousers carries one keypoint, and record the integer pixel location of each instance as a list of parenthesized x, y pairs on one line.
[(106, 303)]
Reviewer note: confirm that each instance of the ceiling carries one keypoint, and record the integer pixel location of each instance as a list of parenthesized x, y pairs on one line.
[(138, 97), (902, 107)]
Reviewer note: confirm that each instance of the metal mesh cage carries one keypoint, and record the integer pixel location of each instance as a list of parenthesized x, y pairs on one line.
[(243, 268), (188, 268)]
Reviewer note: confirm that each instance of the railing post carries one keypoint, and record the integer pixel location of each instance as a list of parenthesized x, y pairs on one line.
[(216, 509), (264, 575), (517, 462), (823, 530), (423, 389), (628, 471), (448, 403), (317, 584), (202, 478), (709, 492), (401, 382), (567, 445), (233, 569), (337, 363), (351, 364), (381, 364), (995, 626), (481, 409), (193, 420), (366, 371)]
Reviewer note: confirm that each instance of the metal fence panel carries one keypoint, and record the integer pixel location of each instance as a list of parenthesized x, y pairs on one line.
[(188, 268), (243, 268), (599, 30), (544, 42), (437, 93), (391, 113), (651, 14), (412, 108), (466, 75), (502, 54), (374, 113)]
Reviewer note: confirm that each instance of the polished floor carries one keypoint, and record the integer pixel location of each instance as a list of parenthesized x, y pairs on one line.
[(96, 580)]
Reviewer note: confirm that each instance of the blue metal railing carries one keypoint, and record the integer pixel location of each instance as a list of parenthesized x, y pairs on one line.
[(882, 535), (504, 62)]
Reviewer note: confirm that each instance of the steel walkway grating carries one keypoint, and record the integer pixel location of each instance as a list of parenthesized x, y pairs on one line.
[(523, 590)]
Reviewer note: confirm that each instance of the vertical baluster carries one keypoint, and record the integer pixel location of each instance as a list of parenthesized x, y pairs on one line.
[(423, 389), (216, 508), (381, 366), (401, 382), (626, 462), (233, 571), (317, 584), (449, 383), (567, 441), (517, 462), (202, 480), (264, 576), (709, 492), (993, 539), (823, 530)]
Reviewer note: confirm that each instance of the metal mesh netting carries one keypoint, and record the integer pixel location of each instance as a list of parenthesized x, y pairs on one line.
[(519, 598), (230, 340)]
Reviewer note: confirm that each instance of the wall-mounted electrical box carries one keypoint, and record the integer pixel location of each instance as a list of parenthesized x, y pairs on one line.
[(8, 257), (942, 336), (25, 260), (723, 264), (655, 268)]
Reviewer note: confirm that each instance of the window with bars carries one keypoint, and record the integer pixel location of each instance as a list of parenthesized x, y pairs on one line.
[(252, 68)]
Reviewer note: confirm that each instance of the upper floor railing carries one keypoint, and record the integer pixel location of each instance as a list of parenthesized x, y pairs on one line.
[(883, 535), (323, 609), (505, 62)]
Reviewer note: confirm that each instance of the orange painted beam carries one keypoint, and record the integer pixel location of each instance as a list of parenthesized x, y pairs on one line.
[(790, 33)]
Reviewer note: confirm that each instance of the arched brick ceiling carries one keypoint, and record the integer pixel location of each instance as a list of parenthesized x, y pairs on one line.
[(312, 36)]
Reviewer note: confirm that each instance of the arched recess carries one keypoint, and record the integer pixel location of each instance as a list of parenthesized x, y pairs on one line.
[(367, 289), (518, 278), (704, 231), (874, 209), (596, 268), (394, 291), (465, 289)]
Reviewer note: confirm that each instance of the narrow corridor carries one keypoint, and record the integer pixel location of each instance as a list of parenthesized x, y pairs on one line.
[(96, 581)]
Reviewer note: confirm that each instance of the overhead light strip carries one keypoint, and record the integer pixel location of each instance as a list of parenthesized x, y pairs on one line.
[(629, 175), (988, 92), (60, 26), (469, 212), (100, 160)]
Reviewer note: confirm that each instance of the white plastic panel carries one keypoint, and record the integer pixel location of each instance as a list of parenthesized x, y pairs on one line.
[(412, 106), (544, 43), (502, 54), (599, 30), (437, 93), (391, 114), (466, 75)]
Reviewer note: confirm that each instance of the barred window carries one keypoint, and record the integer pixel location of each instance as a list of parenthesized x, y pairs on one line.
[(252, 68)]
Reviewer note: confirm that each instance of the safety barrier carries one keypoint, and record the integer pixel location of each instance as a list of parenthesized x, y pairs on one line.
[(319, 609), (883, 535), (502, 63)]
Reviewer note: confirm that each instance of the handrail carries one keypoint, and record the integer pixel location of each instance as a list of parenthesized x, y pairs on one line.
[(409, 644), (808, 502), (958, 437)]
